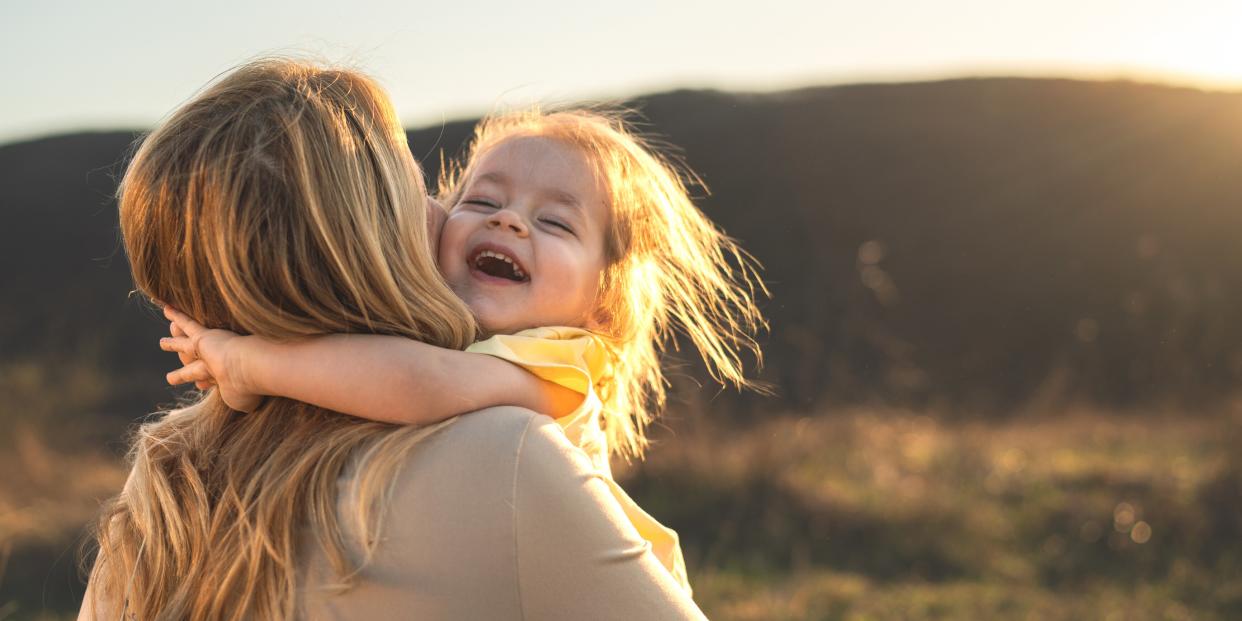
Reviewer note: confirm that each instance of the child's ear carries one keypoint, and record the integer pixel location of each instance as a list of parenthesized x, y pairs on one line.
[(593, 324), (601, 317)]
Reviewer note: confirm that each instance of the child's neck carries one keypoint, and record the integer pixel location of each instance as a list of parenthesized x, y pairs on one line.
[(487, 332)]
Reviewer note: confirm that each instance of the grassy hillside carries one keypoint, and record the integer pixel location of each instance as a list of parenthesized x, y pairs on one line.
[(895, 515), (973, 244), (861, 514)]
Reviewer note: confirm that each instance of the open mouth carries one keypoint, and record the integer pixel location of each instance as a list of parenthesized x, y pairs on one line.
[(498, 265)]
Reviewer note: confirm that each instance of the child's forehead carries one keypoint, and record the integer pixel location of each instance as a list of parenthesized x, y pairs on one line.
[(527, 144), (558, 164)]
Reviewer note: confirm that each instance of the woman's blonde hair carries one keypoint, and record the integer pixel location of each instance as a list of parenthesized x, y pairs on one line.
[(669, 270), (282, 201)]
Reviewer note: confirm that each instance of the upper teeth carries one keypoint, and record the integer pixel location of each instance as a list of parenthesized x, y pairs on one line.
[(496, 255)]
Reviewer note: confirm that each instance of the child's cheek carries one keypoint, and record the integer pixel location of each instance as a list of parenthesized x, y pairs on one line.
[(437, 243), (435, 225)]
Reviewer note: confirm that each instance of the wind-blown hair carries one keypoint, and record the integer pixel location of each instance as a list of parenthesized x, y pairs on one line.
[(282, 201), (669, 269)]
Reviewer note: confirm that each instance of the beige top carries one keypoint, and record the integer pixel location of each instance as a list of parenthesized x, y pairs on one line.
[(498, 516), (581, 361)]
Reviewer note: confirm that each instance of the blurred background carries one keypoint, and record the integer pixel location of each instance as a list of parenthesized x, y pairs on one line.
[(1000, 239)]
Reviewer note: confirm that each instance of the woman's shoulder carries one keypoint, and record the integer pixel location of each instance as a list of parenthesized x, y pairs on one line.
[(481, 465), (473, 469), (504, 423), (494, 444), (536, 443), (478, 457), (479, 445), (498, 515), (446, 532)]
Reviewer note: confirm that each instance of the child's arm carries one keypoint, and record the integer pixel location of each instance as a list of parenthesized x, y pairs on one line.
[(384, 378)]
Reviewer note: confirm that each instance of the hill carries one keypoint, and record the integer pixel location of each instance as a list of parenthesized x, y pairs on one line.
[(970, 244)]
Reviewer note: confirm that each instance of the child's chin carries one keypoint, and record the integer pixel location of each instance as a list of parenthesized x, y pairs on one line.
[(493, 324)]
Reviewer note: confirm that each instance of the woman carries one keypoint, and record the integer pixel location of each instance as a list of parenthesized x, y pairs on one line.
[(284, 202)]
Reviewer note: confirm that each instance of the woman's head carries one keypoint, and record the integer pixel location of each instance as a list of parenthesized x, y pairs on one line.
[(647, 263), (281, 201)]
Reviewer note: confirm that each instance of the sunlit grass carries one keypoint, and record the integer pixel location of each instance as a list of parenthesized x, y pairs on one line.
[(47, 497), (48, 493), (53, 480), (897, 515), (857, 515), (828, 595)]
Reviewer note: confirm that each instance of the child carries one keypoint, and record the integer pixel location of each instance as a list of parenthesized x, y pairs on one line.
[(580, 253)]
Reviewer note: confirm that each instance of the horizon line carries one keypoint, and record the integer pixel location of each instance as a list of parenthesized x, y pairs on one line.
[(1171, 80)]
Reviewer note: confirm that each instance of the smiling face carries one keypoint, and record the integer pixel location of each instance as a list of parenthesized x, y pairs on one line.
[(524, 245)]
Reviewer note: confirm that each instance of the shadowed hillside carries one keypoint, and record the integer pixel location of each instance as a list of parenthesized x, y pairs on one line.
[(972, 244)]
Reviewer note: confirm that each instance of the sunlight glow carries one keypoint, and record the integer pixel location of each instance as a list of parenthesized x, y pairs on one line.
[(97, 70), (1203, 48)]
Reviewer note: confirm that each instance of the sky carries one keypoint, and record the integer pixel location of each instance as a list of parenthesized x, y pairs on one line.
[(82, 65)]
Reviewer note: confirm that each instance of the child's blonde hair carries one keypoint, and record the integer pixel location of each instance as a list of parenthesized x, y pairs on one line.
[(669, 269)]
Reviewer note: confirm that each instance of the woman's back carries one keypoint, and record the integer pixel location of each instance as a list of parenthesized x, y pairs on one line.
[(495, 516), (281, 201)]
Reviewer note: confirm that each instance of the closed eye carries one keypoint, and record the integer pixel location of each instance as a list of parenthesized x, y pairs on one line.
[(481, 202), (558, 224)]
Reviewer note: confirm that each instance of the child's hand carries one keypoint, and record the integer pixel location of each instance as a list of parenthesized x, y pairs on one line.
[(209, 358)]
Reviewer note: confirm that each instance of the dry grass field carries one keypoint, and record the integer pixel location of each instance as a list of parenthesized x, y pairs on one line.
[(846, 515), (894, 515)]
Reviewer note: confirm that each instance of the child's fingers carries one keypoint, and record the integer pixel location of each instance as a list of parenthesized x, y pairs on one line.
[(186, 358), (183, 345), (176, 330), (194, 372), (184, 321), (204, 385)]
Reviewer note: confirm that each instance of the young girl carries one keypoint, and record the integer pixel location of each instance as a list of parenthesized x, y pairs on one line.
[(580, 253)]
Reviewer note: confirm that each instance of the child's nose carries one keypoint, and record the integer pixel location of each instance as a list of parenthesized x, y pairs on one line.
[(508, 219)]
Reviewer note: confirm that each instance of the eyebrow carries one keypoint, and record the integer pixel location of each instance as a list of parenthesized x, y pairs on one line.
[(494, 177), (561, 196)]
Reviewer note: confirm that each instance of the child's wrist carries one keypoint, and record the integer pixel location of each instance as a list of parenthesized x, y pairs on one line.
[(245, 360)]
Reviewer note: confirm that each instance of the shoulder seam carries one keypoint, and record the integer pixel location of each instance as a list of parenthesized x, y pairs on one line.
[(517, 468)]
